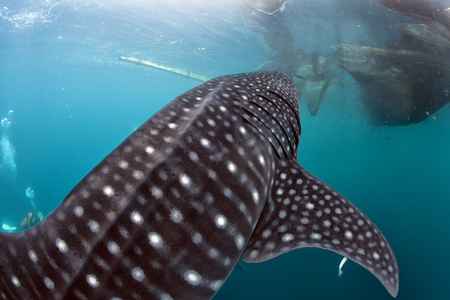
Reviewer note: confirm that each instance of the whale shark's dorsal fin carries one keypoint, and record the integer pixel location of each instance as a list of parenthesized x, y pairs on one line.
[(303, 211)]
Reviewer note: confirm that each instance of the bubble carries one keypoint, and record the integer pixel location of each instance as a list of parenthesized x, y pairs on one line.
[(8, 167), (29, 193)]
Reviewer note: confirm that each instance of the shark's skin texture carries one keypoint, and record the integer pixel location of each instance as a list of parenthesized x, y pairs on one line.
[(209, 178)]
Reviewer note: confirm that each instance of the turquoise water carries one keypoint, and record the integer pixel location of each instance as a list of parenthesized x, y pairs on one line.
[(73, 101)]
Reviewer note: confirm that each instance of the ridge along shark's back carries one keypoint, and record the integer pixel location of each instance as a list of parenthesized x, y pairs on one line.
[(210, 177)]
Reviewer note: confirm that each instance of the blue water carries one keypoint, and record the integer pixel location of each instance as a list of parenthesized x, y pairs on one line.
[(73, 101)]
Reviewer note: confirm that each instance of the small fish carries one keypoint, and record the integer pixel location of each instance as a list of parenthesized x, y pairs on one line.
[(211, 177), (341, 265)]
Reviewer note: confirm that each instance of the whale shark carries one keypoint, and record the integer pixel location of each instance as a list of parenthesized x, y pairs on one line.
[(210, 178), (434, 13)]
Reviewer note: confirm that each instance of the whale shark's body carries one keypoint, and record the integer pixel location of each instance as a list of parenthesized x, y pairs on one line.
[(211, 177)]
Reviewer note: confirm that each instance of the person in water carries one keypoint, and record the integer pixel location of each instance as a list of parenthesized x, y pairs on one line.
[(31, 219)]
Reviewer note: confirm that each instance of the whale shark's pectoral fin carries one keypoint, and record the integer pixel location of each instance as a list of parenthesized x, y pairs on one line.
[(303, 211)]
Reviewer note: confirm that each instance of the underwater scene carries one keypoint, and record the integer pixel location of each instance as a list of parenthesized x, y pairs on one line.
[(372, 81)]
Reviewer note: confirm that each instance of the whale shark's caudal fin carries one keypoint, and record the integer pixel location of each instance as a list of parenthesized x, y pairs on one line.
[(302, 211)]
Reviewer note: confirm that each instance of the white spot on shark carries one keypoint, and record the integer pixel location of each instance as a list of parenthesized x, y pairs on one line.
[(128, 149), (168, 139), (185, 180), (266, 233), (92, 280), (156, 192), (136, 218), (149, 150), (138, 274), (123, 164), (316, 236), (78, 211), (15, 281), (213, 253), (231, 167), (309, 206), (113, 248), (32, 255), (85, 194), (192, 277), (49, 283), (221, 221), (205, 142), (93, 226), (193, 156), (176, 215), (61, 245), (197, 238), (349, 235), (155, 240), (287, 237), (255, 196), (137, 174), (261, 159), (215, 285), (239, 241), (108, 191)]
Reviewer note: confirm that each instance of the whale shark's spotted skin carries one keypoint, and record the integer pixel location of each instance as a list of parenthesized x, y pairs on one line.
[(209, 178)]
